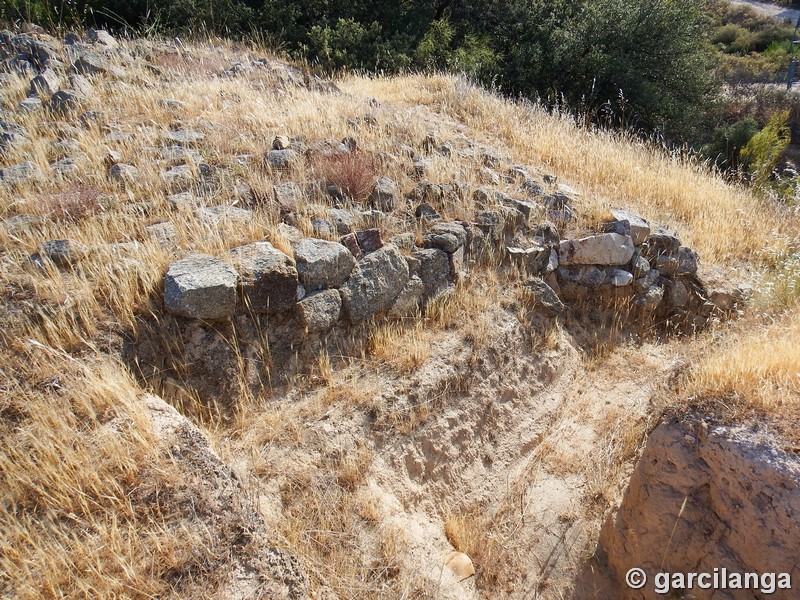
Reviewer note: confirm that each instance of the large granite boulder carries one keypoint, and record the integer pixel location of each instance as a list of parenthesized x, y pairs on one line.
[(599, 249), (267, 277), (322, 264), (201, 287), (375, 284)]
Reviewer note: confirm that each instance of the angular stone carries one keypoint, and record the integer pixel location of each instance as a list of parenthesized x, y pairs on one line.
[(321, 310), (124, 172), (374, 284), (350, 241), (282, 160), (184, 137), (446, 236), (384, 196), (640, 266), (200, 287), (650, 298), (214, 215), (287, 196), (662, 242), (639, 227), (45, 84), (408, 302), (102, 37), (544, 297), (64, 253), (620, 278), (369, 240), (687, 261), (30, 105), (342, 219), (434, 270), (600, 249), (164, 234), (267, 277), (322, 264), (20, 173)]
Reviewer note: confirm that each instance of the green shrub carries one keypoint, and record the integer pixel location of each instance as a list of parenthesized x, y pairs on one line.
[(761, 154)]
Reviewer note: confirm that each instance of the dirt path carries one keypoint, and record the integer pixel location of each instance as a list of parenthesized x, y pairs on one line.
[(782, 13)]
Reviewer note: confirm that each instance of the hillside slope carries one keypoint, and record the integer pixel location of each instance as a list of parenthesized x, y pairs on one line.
[(333, 441)]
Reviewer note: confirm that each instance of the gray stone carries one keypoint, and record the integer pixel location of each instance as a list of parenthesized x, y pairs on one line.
[(409, 300), (649, 299), (17, 174), (384, 196), (662, 242), (287, 196), (30, 105), (687, 261), (600, 249), (434, 270), (322, 264), (70, 165), (320, 311), (374, 284), (544, 297), (184, 137), (619, 277), (676, 294), (65, 101), (446, 236), (124, 173), (45, 84), (93, 63), (648, 280), (201, 287), (64, 253), (164, 234), (282, 160), (267, 277), (180, 153), (666, 265), (178, 174), (639, 227), (342, 219), (323, 228), (214, 215), (102, 37), (641, 266)]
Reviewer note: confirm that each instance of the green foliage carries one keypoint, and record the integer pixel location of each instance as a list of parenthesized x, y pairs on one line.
[(761, 154), (728, 141)]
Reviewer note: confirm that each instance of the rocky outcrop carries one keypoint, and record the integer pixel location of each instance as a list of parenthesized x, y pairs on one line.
[(703, 498)]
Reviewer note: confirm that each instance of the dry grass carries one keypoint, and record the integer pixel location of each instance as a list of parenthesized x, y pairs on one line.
[(747, 368), (720, 220), (93, 507)]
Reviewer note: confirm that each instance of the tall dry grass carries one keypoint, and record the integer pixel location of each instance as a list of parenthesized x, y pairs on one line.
[(722, 221)]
